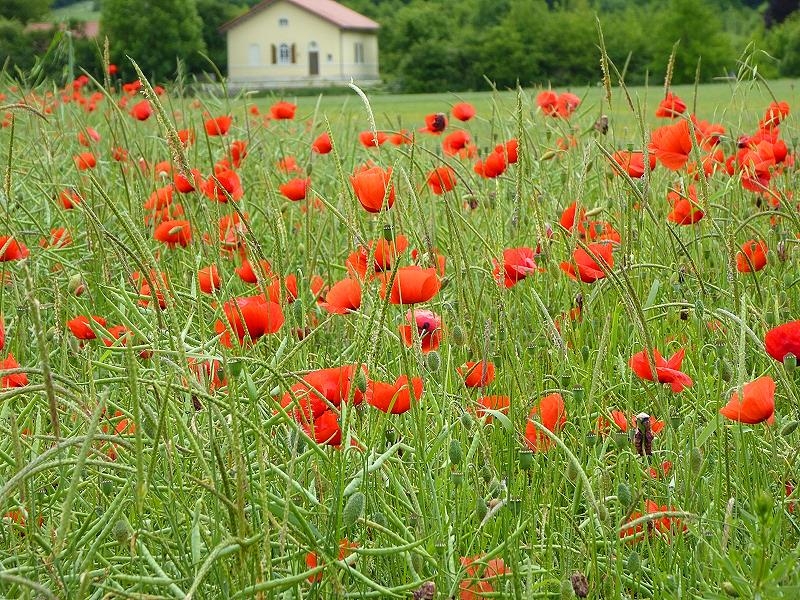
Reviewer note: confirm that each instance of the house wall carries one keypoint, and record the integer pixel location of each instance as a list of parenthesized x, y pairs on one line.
[(250, 50)]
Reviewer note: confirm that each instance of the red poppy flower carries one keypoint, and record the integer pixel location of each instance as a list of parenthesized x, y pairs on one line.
[(325, 429), (479, 577), (282, 110), (667, 371), (463, 111), (372, 188), (500, 404), (776, 112), (670, 107), (518, 263), (756, 405), (477, 374), (248, 274), (752, 257), (400, 137), (387, 251), (184, 185), (394, 397), (456, 143), (345, 549), (435, 123), (553, 416), (80, 328), (343, 297), (2, 332), (335, 384), (174, 233), (84, 161), (369, 139), (69, 199), (411, 285), (142, 111), (623, 422), (632, 163), (547, 101), (186, 136), (685, 209), (322, 145), (588, 268), (441, 180), (219, 125), (567, 103), (238, 151), (663, 525), (492, 166), (89, 137), (145, 293), (11, 249), (228, 182), (14, 380), (231, 231), (510, 149), (252, 316), (208, 279), (782, 340), (428, 326), (672, 144), (295, 189), (59, 237)]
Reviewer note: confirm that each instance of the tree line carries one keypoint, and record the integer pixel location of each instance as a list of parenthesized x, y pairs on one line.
[(436, 45)]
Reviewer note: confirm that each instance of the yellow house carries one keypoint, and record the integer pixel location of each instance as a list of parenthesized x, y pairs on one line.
[(294, 43)]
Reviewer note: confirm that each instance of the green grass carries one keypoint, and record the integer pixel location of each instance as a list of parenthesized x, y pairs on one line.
[(156, 483), (80, 11)]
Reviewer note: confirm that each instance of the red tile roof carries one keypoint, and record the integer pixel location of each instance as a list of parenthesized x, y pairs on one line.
[(339, 15)]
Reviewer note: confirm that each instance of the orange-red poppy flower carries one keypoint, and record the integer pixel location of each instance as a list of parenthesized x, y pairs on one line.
[(369, 139), (238, 151), (15, 379), (252, 316), (442, 179), (492, 166), (685, 209), (184, 185), (335, 384), (282, 110), (670, 107), (589, 264), (518, 263), (782, 340), (142, 111), (186, 136), (219, 125), (672, 144), (81, 329), (11, 249), (756, 405), (372, 188), (411, 285), (394, 397), (174, 233), (343, 297), (323, 144), (480, 575), (145, 293), (477, 374), (566, 105), (435, 123), (663, 525), (88, 137), (632, 163), (208, 279), (346, 548), (776, 112), (296, 189), (552, 414), (428, 327), (499, 404), (667, 371), (752, 257), (325, 429), (85, 161), (547, 101), (249, 274), (229, 185), (457, 143), (463, 111), (623, 422), (69, 199), (59, 237)]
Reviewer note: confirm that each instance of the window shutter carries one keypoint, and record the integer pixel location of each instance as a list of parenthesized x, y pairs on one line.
[(294, 54), (274, 54)]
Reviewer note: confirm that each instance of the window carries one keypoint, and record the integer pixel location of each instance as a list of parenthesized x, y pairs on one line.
[(284, 54), (254, 55), (283, 22), (358, 53)]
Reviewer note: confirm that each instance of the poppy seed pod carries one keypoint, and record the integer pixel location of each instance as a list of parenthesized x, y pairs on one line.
[(433, 361), (624, 495), (633, 564), (354, 508), (455, 453)]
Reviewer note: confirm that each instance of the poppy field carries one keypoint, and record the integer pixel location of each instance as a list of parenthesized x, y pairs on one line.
[(531, 344)]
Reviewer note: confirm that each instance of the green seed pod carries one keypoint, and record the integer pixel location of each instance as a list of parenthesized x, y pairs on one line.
[(565, 380), (379, 519), (602, 512), (455, 453), (433, 361), (457, 478), (107, 487), (481, 509), (696, 460), (467, 420), (789, 428), (361, 381), (624, 495), (525, 459), (457, 336), (354, 508), (633, 564), (729, 589), (121, 532), (790, 363), (391, 436), (388, 233), (763, 505), (577, 393)]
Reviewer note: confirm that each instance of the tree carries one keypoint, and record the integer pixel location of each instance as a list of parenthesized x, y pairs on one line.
[(24, 11), (154, 33), (213, 14)]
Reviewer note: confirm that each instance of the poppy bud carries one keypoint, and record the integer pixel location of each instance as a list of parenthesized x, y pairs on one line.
[(789, 428), (466, 420), (572, 472), (480, 508), (725, 371), (633, 564), (565, 589), (696, 460), (602, 512), (353, 509), (585, 353), (699, 309), (432, 361), (361, 381), (457, 336), (577, 393), (580, 585), (252, 392), (525, 459), (790, 363), (379, 519), (763, 505), (107, 486), (782, 251), (624, 495), (388, 233), (457, 478), (121, 532), (729, 589), (76, 285), (455, 453), (769, 317)]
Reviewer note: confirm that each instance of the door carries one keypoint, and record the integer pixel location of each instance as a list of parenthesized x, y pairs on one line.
[(313, 62)]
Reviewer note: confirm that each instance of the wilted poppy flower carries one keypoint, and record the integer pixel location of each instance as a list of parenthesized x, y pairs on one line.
[(228, 182), (782, 340), (589, 263), (295, 189), (518, 263), (322, 145), (670, 107), (219, 125), (84, 161), (15, 379), (411, 285), (248, 274), (672, 144), (667, 371), (441, 180), (142, 111), (372, 188), (477, 374), (252, 316), (394, 397), (752, 257), (685, 209), (174, 233), (553, 416), (369, 139), (756, 405), (463, 111), (208, 279), (282, 110), (11, 249), (479, 577), (80, 328), (428, 326), (632, 163), (344, 296), (435, 123)]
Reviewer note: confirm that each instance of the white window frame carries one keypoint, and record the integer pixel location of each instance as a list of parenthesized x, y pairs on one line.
[(284, 59)]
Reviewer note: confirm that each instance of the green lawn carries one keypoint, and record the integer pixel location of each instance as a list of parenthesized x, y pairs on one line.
[(80, 11)]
